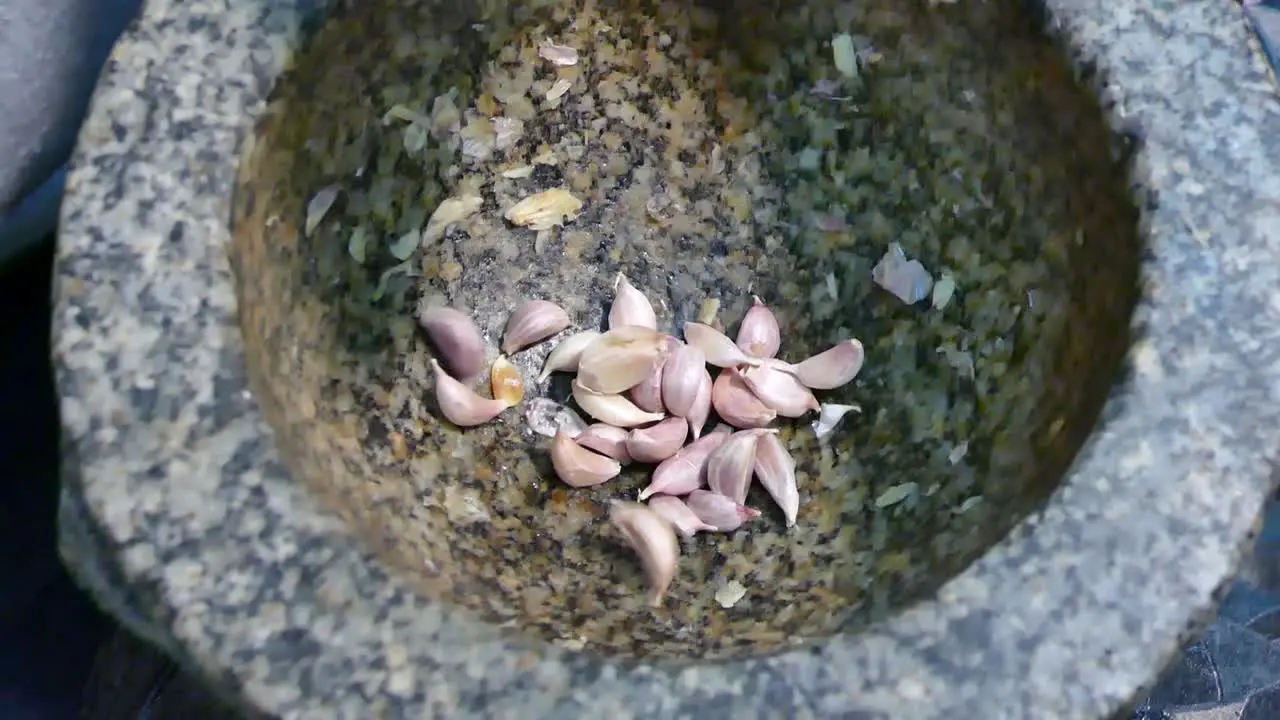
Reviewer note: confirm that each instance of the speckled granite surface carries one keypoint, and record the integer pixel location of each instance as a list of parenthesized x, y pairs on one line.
[(179, 515)]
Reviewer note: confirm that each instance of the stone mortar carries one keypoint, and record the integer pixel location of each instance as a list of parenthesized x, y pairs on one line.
[(181, 516)]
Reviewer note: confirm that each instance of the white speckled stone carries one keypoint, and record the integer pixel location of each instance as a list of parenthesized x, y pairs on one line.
[(180, 516)]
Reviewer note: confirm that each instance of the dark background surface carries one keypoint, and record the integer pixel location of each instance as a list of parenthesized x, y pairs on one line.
[(49, 632)]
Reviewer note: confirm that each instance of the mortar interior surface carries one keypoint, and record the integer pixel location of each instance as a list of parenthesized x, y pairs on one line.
[(719, 154)]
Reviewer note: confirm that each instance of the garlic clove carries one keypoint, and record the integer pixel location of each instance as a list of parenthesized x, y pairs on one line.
[(759, 335), (506, 382), (621, 359), (657, 442), (653, 540), (776, 470), (532, 323), (719, 349), (729, 466), (830, 368), (681, 378), (579, 467), (606, 440), (565, 355), (736, 404), (457, 340), (718, 511), (673, 510), (613, 410), (701, 406), (685, 471), (460, 404), (781, 391), (648, 394), (630, 307)]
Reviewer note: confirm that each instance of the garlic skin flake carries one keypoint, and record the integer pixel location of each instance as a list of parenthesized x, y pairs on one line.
[(737, 405), (544, 210), (558, 55), (719, 349), (460, 404), (729, 467), (456, 338), (565, 355), (829, 418), (718, 511), (532, 323), (653, 540), (684, 472), (673, 510), (830, 368), (621, 359), (579, 467), (506, 382), (613, 410), (630, 306), (759, 335), (606, 440), (776, 470), (657, 442), (452, 210)]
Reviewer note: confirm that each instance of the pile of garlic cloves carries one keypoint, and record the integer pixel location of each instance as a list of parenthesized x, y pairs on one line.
[(651, 396)]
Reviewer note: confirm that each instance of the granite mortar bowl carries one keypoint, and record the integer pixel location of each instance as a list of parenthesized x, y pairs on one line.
[(258, 480)]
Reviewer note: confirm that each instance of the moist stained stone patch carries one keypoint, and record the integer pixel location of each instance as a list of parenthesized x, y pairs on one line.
[(719, 154)]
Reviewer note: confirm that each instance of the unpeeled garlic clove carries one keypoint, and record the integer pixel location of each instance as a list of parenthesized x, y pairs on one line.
[(776, 470), (718, 511), (565, 355), (607, 440), (532, 323), (621, 359), (456, 338), (506, 382), (681, 377), (759, 335), (657, 442), (630, 307), (579, 467), (653, 540), (613, 410), (460, 404), (830, 368), (719, 349), (673, 510), (685, 471), (779, 390), (729, 467), (648, 394), (736, 404), (701, 406)]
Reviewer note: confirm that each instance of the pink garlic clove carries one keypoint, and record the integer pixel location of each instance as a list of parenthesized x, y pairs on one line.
[(719, 349), (684, 472), (718, 511), (653, 540), (686, 365), (759, 335), (674, 511), (607, 440), (729, 467), (532, 323), (657, 442), (776, 471), (780, 391), (701, 407), (630, 306), (457, 339), (579, 467), (736, 404), (830, 368), (460, 404)]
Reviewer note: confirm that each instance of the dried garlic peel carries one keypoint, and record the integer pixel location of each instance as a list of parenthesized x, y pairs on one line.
[(544, 210)]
